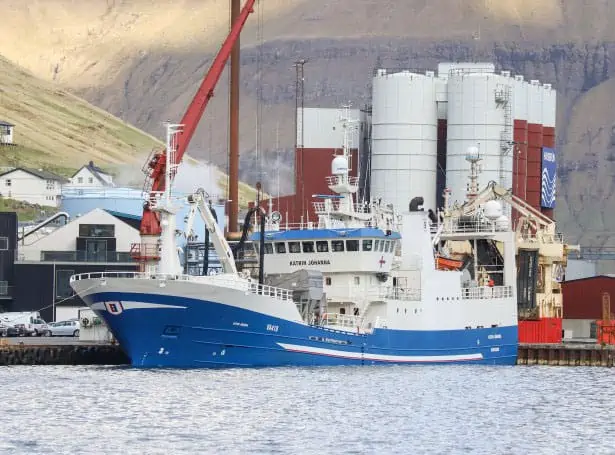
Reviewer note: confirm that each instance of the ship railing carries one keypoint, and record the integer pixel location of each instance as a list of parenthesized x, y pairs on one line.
[(558, 237), (464, 227), (323, 208), (219, 280), (486, 292), (396, 293), (341, 320), (339, 180)]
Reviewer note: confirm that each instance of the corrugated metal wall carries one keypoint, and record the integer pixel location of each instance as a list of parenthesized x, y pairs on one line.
[(583, 298)]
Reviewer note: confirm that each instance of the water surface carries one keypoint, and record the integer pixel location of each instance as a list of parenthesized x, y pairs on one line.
[(337, 410)]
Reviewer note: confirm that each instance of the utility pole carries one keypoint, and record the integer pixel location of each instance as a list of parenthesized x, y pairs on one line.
[(233, 192), (299, 127)]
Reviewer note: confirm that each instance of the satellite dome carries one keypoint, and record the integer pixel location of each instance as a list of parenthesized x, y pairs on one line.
[(472, 153), (493, 210), (339, 165)]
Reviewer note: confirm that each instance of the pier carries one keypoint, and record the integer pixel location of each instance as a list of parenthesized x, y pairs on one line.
[(49, 351), (46, 351), (568, 354)]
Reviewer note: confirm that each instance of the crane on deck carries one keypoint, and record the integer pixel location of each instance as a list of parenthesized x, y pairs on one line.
[(155, 167)]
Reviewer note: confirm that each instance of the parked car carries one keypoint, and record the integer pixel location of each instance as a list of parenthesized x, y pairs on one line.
[(30, 322), (68, 328), (8, 330)]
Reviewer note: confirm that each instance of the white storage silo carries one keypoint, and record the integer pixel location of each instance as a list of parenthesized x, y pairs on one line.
[(404, 138), (534, 102), (480, 114), (548, 113), (520, 107)]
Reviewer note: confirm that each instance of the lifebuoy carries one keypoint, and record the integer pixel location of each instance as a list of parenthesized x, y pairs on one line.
[(85, 322)]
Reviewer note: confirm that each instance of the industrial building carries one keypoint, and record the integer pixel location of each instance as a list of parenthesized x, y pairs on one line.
[(414, 139), (587, 301)]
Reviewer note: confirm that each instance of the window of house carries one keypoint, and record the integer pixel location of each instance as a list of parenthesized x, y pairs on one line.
[(63, 289), (280, 247), (268, 248), (367, 245), (322, 246), (337, 245), (79, 179), (4, 243), (352, 245), (357, 280), (294, 247), (308, 247), (90, 180), (328, 281), (96, 230), (50, 184), (7, 182)]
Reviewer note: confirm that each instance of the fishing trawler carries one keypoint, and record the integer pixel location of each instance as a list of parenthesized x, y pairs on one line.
[(384, 299)]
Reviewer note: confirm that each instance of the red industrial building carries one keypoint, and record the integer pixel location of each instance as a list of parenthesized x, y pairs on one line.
[(323, 139), (587, 307)]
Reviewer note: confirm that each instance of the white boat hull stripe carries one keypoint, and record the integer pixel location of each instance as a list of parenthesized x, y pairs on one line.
[(380, 357)]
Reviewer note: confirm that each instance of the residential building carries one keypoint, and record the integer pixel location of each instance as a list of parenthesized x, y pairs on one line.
[(95, 242), (91, 176), (6, 133), (34, 186)]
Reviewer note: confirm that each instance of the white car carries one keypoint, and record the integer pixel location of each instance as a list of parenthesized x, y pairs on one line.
[(68, 328)]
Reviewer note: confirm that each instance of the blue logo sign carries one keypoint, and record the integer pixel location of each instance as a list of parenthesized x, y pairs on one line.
[(549, 177)]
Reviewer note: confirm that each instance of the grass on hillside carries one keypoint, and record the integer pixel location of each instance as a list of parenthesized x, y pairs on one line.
[(26, 211)]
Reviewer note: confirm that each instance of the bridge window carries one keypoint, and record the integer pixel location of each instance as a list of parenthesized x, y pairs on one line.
[(387, 248), (337, 245), (352, 245), (328, 281), (294, 247), (367, 245), (382, 246), (322, 246), (308, 247), (376, 244), (268, 248), (357, 280), (280, 247)]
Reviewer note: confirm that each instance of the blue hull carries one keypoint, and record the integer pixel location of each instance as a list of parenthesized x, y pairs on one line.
[(205, 334)]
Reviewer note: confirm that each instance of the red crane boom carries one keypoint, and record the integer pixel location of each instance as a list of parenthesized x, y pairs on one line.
[(156, 167)]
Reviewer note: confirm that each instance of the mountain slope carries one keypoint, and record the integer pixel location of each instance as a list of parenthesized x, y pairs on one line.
[(57, 130), (143, 62)]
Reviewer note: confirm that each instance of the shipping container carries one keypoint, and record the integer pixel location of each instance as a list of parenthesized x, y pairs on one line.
[(545, 330)]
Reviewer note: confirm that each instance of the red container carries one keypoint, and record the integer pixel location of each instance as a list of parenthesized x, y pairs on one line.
[(540, 331)]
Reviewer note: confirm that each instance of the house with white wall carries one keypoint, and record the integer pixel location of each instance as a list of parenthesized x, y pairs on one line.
[(91, 176), (6, 133), (34, 186), (96, 236)]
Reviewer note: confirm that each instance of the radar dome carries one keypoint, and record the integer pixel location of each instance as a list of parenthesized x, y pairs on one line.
[(493, 210), (339, 165), (502, 223), (472, 153)]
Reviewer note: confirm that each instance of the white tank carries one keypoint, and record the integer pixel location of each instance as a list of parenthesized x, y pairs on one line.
[(520, 98), (548, 106), (534, 102), (502, 223), (404, 138), (493, 210), (479, 114), (339, 165)]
